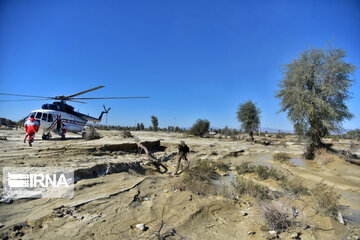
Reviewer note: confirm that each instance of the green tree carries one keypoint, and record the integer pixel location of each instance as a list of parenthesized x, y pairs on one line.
[(355, 134), (200, 127), (155, 123), (142, 127), (248, 115), (313, 92)]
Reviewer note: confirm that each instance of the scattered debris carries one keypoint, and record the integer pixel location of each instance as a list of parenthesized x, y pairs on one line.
[(235, 153), (3, 138), (141, 226), (59, 214), (295, 236), (306, 227), (273, 234), (157, 163), (340, 218), (295, 212), (251, 233), (243, 213)]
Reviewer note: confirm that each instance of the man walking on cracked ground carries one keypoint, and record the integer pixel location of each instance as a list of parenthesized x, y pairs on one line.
[(183, 150)]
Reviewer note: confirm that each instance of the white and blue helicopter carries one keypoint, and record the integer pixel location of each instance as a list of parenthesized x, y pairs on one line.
[(53, 116)]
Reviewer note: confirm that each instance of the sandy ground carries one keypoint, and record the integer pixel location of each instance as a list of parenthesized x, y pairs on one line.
[(108, 206)]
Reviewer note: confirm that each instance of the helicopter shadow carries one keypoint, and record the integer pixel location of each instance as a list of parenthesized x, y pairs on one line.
[(66, 139)]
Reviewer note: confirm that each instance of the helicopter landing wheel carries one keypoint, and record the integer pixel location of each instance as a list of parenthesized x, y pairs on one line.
[(46, 136), (84, 135)]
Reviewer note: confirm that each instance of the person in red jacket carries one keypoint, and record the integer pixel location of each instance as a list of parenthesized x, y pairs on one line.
[(63, 131), (31, 127)]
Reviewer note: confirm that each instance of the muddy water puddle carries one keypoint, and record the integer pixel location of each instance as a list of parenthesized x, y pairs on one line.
[(226, 180), (299, 162), (351, 216), (264, 160)]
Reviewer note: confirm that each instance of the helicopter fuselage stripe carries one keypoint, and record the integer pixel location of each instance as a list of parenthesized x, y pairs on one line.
[(80, 124), (67, 121)]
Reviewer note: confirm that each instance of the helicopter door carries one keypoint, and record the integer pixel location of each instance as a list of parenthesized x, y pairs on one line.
[(50, 118)]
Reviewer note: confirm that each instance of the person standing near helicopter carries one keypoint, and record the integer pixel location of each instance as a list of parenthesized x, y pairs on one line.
[(31, 127), (58, 123), (63, 130)]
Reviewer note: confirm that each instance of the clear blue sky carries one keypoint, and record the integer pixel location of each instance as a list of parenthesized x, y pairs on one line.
[(196, 59)]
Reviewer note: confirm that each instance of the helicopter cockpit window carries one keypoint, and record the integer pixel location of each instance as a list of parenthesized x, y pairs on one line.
[(38, 115), (44, 117), (50, 118)]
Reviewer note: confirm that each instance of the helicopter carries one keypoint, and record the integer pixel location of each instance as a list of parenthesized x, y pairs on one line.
[(53, 117)]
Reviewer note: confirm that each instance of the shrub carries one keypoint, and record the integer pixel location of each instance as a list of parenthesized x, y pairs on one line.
[(326, 199), (262, 171), (200, 127), (355, 134), (324, 157), (281, 157), (294, 186), (199, 178), (279, 135), (245, 167), (222, 166), (155, 123), (242, 186), (126, 134), (258, 191), (276, 174), (335, 138), (276, 216)]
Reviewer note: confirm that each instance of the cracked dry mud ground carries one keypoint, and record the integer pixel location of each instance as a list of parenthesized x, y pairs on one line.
[(109, 206)]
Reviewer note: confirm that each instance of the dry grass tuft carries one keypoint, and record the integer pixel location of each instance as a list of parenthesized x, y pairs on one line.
[(221, 166), (281, 157), (242, 186), (263, 172), (326, 200), (276, 216), (199, 178), (245, 167), (324, 157), (294, 186)]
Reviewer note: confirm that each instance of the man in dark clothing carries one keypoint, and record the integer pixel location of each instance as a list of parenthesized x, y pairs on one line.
[(183, 150), (58, 123)]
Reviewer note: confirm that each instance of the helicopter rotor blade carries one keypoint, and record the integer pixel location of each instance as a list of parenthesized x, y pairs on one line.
[(75, 101), (19, 100), (109, 98), (20, 95), (89, 90)]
